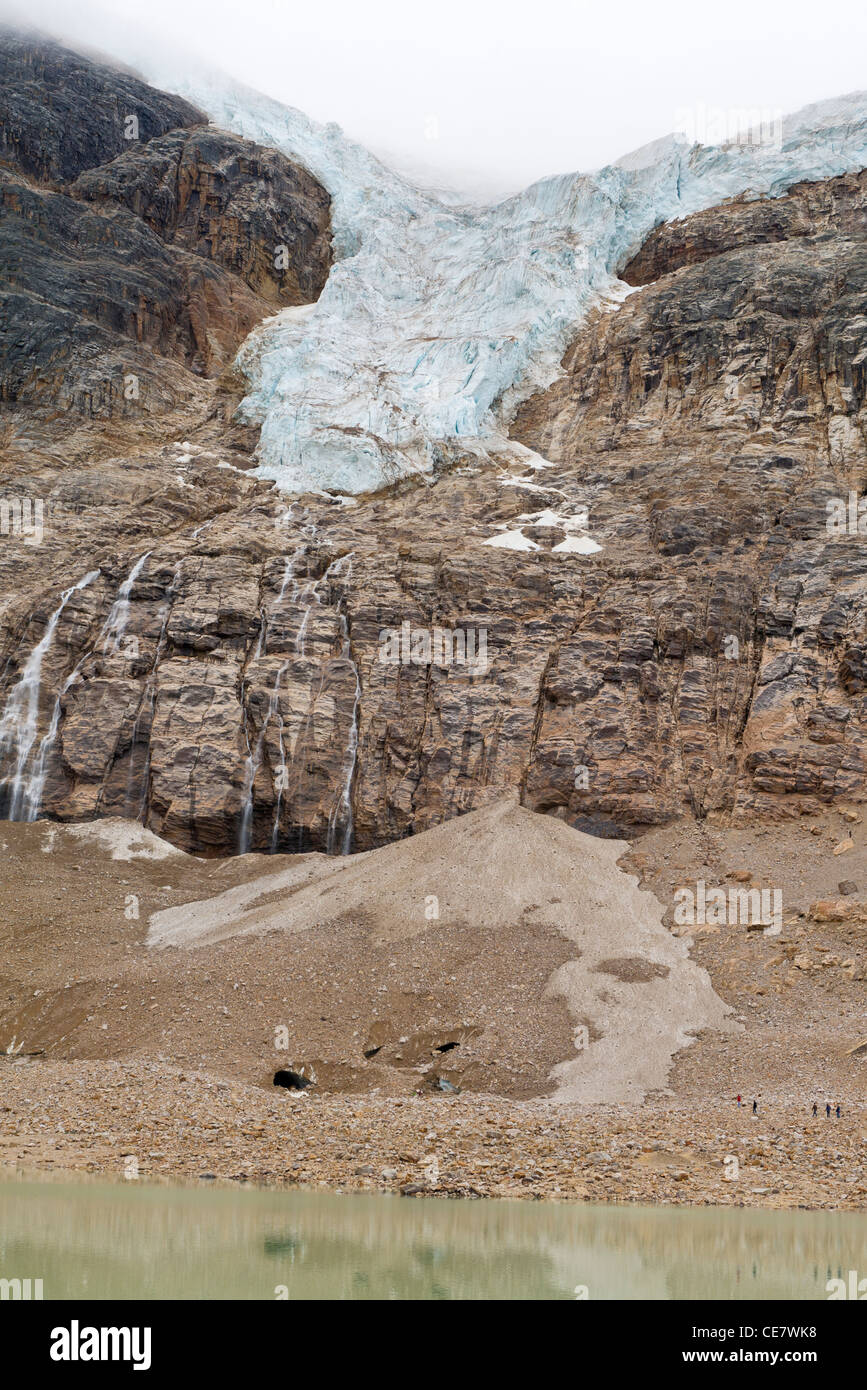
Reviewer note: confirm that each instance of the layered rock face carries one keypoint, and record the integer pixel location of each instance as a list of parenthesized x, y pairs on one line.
[(719, 416), (61, 113), (139, 247), (669, 627), (228, 201), (836, 207)]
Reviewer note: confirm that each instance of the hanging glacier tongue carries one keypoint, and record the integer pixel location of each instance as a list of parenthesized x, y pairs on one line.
[(435, 322)]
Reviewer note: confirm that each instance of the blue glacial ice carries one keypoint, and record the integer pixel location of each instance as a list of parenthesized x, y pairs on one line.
[(437, 321)]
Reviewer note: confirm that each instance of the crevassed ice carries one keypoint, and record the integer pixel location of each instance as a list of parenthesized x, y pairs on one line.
[(436, 322)]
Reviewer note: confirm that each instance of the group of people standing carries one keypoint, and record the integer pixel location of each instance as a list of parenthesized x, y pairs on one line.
[(838, 1112), (828, 1107)]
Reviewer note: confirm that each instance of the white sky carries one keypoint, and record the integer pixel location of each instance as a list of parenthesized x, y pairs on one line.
[(483, 96)]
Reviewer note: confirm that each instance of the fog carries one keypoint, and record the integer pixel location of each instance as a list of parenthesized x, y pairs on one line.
[(483, 96)]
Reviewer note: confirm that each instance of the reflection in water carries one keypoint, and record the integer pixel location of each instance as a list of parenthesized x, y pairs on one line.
[(131, 1241)]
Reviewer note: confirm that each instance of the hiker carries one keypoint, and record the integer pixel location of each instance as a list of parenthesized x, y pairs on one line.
[(755, 1107), (815, 1109), (827, 1110), (739, 1102), (838, 1112)]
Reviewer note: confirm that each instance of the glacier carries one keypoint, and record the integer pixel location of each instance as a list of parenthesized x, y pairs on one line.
[(437, 321)]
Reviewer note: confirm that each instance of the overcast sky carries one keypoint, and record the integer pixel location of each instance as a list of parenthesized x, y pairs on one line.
[(483, 96)]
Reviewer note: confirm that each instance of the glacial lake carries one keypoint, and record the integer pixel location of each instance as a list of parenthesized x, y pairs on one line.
[(128, 1240)]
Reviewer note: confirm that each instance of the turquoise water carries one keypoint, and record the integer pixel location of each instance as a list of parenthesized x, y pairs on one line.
[(128, 1240)]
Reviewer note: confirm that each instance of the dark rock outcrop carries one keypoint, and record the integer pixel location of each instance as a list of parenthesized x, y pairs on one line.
[(136, 265), (837, 207), (228, 201), (97, 296), (61, 113)]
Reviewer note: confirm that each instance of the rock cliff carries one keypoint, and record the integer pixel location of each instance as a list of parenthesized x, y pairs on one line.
[(136, 256), (670, 627)]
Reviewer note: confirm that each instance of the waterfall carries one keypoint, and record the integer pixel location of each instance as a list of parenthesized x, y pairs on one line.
[(150, 697), (254, 762), (36, 782), (262, 642), (21, 716), (287, 575), (254, 755), (280, 783), (112, 630), (263, 632), (118, 618), (312, 595), (280, 779), (343, 809)]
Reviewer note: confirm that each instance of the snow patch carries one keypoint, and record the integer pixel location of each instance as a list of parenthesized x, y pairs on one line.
[(511, 540), (124, 839), (577, 545)]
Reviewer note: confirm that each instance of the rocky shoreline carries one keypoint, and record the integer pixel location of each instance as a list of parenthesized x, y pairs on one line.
[(148, 1122)]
